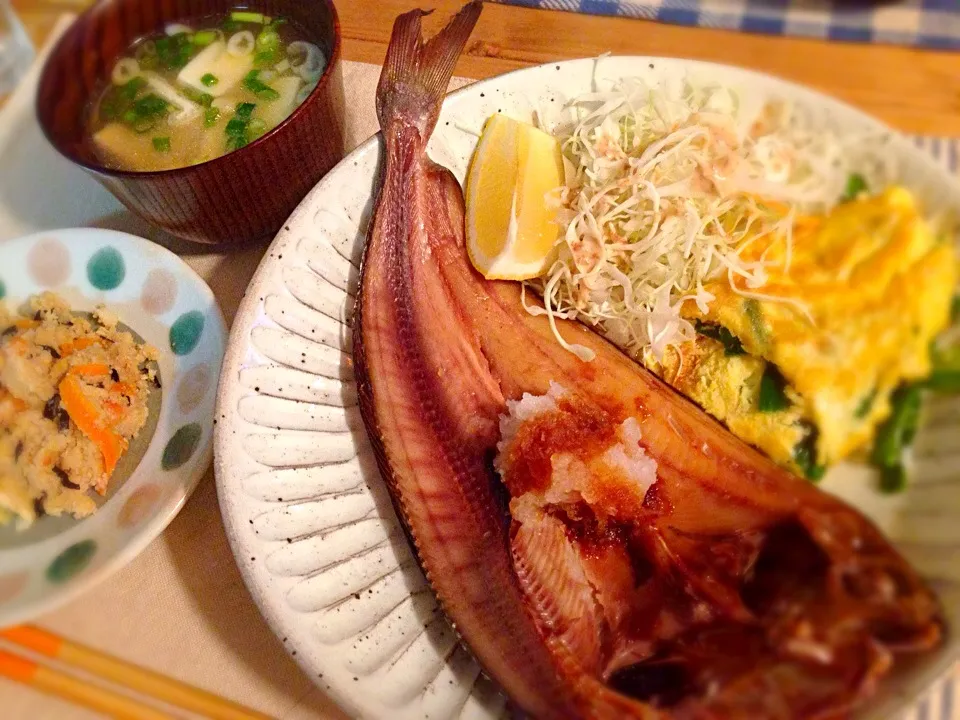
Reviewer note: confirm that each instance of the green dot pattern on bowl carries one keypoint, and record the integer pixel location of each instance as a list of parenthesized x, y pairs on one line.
[(181, 446), (3, 290), (106, 269), (185, 332), (71, 561)]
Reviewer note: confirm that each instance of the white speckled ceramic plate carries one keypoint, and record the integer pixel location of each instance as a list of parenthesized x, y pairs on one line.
[(157, 296), (305, 509)]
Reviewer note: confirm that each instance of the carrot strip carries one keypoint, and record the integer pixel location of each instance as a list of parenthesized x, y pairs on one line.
[(87, 369), (72, 346), (26, 324), (84, 414), (123, 388), (115, 408), (18, 404), (19, 345)]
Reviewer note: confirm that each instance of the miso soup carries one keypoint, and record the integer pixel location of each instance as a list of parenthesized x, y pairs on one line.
[(200, 90)]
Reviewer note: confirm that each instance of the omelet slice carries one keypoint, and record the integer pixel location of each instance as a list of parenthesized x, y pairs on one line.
[(728, 387), (851, 316)]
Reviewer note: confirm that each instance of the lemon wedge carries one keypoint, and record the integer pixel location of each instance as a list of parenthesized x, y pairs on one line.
[(510, 226)]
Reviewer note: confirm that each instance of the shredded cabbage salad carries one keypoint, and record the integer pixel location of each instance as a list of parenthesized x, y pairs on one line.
[(666, 188)]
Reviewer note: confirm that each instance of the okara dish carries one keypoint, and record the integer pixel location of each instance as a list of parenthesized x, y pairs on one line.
[(73, 394)]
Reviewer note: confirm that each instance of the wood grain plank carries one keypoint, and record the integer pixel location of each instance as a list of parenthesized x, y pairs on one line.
[(914, 90)]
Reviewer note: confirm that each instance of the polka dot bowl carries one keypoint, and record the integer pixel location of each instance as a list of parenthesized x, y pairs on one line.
[(158, 297)]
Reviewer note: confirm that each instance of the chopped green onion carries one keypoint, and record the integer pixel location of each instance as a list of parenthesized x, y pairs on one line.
[(200, 98), (944, 380), (945, 376), (893, 479), (249, 17), (150, 106), (175, 51), (209, 80), (754, 312), (773, 396), (236, 136), (161, 144), (266, 46), (262, 58), (210, 116), (255, 128), (244, 110), (236, 130), (204, 37), (267, 39), (805, 454), (856, 184), (896, 434), (132, 87), (259, 88), (731, 343), (118, 100), (144, 113), (144, 125), (863, 409)]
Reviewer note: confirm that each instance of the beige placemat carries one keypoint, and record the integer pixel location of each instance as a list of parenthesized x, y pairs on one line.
[(180, 607)]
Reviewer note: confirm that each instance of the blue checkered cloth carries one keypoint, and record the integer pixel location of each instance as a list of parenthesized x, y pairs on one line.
[(919, 23)]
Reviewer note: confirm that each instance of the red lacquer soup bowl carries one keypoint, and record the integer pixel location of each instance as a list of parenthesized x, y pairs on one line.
[(240, 197)]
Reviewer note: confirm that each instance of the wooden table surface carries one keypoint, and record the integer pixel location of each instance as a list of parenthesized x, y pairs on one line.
[(914, 90)]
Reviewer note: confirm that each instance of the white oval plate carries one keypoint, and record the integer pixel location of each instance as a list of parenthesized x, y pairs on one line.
[(150, 289), (308, 515)]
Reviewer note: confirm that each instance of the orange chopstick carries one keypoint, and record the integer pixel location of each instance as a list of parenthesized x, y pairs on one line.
[(66, 686), (128, 675)]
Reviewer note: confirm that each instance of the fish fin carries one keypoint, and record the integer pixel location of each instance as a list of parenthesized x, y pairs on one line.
[(551, 575), (415, 73)]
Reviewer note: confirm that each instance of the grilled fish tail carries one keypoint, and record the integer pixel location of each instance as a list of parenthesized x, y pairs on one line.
[(416, 72)]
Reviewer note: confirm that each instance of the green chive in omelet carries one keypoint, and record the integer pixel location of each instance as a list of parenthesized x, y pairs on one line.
[(804, 367)]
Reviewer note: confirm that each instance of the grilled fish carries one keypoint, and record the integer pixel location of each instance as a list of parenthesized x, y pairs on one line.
[(726, 588)]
